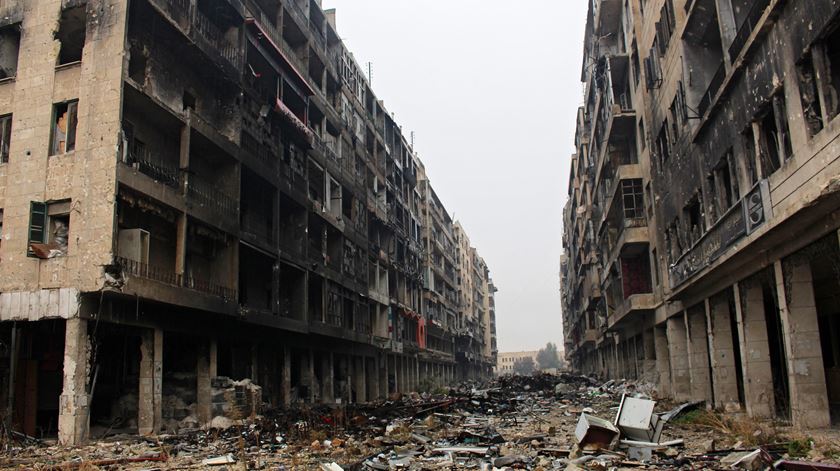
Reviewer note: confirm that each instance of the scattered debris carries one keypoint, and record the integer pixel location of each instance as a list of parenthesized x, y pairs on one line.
[(515, 422)]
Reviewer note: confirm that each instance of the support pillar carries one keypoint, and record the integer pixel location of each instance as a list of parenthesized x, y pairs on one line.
[(755, 349), (361, 383), (74, 402), (309, 371), (698, 355), (663, 361), (149, 411), (327, 386), (203, 389), (678, 354), (800, 328), (724, 377), (286, 381)]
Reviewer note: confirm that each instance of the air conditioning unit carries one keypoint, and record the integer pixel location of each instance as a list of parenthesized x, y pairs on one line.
[(134, 245)]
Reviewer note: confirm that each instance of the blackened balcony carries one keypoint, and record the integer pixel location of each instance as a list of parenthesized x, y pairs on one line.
[(203, 32), (204, 194), (169, 277), (154, 166), (712, 90), (749, 24)]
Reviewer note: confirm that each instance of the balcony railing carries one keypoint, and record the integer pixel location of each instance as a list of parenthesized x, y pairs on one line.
[(257, 224), (152, 165), (747, 27), (189, 16), (711, 91), (204, 193), (169, 277)]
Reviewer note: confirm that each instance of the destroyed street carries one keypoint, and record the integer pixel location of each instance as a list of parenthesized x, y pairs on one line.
[(541, 422)]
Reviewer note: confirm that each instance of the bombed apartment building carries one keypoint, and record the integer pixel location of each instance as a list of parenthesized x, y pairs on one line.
[(205, 211), (701, 232)]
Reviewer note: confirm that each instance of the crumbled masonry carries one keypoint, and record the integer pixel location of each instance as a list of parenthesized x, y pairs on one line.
[(515, 422)]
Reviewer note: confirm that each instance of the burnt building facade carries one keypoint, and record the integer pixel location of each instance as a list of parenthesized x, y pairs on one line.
[(701, 232), (203, 200)]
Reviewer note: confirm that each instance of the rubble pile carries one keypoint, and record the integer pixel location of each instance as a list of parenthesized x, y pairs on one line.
[(540, 422)]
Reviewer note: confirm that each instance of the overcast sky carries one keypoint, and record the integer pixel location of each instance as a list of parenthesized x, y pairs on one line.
[(490, 88)]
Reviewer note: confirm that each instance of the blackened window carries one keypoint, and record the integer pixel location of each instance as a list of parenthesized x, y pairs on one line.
[(5, 137), (71, 35)]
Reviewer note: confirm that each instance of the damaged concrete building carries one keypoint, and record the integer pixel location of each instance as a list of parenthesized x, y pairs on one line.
[(701, 231), (204, 211)]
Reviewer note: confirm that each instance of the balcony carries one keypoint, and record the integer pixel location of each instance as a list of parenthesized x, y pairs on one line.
[(712, 90), (204, 194), (626, 311), (202, 31), (154, 166), (752, 19), (169, 277)]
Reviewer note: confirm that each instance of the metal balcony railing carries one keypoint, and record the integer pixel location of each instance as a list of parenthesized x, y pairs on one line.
[(711, 91), (753, 16), (257, 224), (153, 165), (169, 277), (189, 16), (204, 193)]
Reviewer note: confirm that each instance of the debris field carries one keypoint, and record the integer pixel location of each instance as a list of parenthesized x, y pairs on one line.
[(540, 422)]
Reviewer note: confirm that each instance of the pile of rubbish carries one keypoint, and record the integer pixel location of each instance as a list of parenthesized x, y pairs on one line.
[(540, 422)]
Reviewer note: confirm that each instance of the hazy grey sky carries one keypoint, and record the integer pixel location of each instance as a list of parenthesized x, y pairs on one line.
[(490, 88)]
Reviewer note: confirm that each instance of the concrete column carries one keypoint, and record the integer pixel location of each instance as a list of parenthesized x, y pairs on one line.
[(74, 402), (214, 358), (371, 378), (327, 386), (203, 389), (382, 359), (361, 382), (286, 381), (724, 377), (663, 361), (678, 355), (698, 355), (149, 412), (801, 331), (308, 371), (416, 374), (255, 358), (755, 350), (648, 370)]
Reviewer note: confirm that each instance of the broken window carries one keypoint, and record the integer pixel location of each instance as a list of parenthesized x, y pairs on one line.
[(137, 64), (9, 50), (642, 135), (71, 35), (723, 186), (64, 128), (748, 157), (831, 54), (809, 94), (663, 144), (633, 198), (49, 229), (5, 137), (1, 227), (666, 26), (774, 135), (695, 220)]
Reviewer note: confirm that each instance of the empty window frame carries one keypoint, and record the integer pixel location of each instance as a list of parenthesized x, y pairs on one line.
[(5, 137), (63, 138), (723, 186), (49, 229), (633, 198), (694, 218), (71, 34), (9, 50), (773, 135), (1, 227), (663, 144)]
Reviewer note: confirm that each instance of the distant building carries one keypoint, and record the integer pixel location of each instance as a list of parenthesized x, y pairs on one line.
[(506, 360)]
